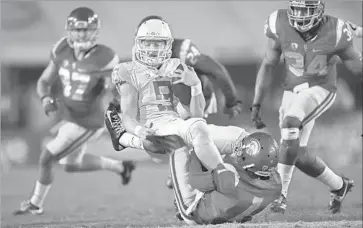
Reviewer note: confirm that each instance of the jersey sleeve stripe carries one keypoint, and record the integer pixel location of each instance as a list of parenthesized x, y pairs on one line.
[(112, 63), (272, 22), (340, 25), (184, 50)]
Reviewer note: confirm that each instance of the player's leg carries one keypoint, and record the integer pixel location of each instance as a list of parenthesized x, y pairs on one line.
[(315, 167), (185, 195), (197, 134), (80, 161), (224, 137), (289, 146), (69, 135), (296, 110)]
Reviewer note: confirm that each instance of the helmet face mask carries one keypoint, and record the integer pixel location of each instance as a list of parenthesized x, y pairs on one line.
[(304, 15), (257, 154), (83, 27), (153, 42)]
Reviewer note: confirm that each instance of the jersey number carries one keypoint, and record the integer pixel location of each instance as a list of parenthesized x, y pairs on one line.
[(192, 55), (74, 80), (163, 92), (317, 66)]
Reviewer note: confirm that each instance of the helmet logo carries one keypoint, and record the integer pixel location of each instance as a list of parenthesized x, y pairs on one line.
[(264, 168), (294, 46), (253, 148), (80, 24), (154, 34)]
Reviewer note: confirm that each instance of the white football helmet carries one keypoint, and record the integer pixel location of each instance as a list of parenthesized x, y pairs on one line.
[(153, 42)]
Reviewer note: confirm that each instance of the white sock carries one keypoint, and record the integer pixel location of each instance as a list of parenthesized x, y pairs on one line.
[(331, 179), (285, 172), (39, 194), (111, 165)]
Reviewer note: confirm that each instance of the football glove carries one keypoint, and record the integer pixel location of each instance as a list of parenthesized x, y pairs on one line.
[(256, 116), (233, 109), (114, 126), (49, 104)]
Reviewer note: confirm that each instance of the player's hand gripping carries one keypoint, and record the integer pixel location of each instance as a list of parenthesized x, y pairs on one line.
[(233, 109), (256, 116), (49, 105), (186, 76)]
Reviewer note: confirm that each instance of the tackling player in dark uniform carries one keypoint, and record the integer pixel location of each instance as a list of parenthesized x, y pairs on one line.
[(309, 42), (83, 67)]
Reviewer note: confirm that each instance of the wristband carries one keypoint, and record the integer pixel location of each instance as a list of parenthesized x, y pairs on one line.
[(256, 105), (138, 130), (196, 89)]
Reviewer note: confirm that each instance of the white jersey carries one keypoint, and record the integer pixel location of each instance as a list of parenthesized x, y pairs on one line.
[(156, 100)]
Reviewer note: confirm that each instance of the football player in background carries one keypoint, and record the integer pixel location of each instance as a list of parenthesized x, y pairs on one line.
[(221, 198), (83, 67), (309, 42), (355, 29), (146, 86), (210, 72)]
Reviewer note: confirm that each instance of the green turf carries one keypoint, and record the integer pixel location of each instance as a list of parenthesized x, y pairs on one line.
[(99, 200)]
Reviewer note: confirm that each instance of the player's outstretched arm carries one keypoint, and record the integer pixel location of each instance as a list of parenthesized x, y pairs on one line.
[(265, 73), (47, 79), (352, 59), (219, 74)]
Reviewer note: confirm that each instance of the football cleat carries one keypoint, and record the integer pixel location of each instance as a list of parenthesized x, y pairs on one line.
[(279, 205), (169, 182), (129, 166), (337, 196), (114, 126), (27, 207), (177, 213)]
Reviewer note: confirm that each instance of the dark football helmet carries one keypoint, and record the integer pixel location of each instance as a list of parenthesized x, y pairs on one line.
[(83, 26), (304, 15), (257, 153)]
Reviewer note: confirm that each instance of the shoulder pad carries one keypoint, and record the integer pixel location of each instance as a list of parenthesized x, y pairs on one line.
[(270, 28), (121, 73), (105, 57), (344, 36), (58, 48)]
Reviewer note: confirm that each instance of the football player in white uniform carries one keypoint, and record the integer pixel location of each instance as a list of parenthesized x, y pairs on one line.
[(146, 93)]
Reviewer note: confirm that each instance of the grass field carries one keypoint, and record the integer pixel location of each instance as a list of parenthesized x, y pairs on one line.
[(99, 200)]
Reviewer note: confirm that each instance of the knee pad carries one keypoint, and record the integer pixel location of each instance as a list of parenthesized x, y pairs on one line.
[(290, 128), (225, 178)]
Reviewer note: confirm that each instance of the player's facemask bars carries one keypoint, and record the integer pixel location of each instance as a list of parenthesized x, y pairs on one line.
[(82, 35), (153, 51), (304, 16)]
